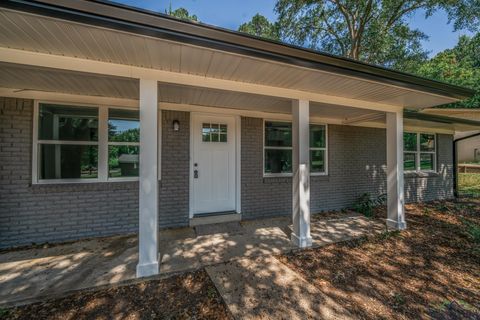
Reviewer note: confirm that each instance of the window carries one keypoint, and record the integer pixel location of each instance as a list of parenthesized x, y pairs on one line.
[(278, 148), (419, 151), (85, 143), (67, 142), (123, 143), (214, 132), (318, 149)]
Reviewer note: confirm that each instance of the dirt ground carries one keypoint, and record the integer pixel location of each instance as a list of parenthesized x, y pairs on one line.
[(188, 296), (431, 269)]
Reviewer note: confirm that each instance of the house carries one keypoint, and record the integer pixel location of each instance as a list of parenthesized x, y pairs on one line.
[(228, 124), (468, 145)]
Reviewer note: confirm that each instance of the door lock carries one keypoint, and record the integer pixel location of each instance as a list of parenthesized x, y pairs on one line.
[(195, 174)]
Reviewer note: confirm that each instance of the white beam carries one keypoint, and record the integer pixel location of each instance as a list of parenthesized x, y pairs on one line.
[(301, 174), (395, 183), (67, 97), (364, 118), (148, 263), (120, 70)]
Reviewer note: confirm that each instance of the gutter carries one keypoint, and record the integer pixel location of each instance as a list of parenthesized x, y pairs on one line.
[(115, 16), (436, 118)]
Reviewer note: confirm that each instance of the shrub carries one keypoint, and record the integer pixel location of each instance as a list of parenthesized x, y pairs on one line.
[(473, 230), (366, 203)]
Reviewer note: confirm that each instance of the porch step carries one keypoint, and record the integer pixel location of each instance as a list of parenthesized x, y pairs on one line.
[(230, 228), (212, 218)]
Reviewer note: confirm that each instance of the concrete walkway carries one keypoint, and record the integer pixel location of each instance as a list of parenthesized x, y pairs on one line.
[(265, 288), (40, 273)]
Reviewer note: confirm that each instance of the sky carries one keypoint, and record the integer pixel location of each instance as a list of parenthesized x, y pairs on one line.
[(231, 13)]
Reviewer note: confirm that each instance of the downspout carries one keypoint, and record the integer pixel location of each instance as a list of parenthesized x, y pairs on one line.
[(455, 162), (455, 170)]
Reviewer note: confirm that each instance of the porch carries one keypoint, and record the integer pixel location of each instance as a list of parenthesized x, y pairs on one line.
[(154, 74), (45, 272)]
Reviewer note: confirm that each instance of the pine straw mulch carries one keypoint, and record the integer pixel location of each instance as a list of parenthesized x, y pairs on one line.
[(188, 296), (430, 270)]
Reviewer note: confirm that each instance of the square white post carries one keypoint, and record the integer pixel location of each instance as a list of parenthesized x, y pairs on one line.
[(301, 173), (148, 194), (395, 192)]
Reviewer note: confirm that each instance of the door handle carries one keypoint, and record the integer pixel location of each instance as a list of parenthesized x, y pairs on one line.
[(195, 174)]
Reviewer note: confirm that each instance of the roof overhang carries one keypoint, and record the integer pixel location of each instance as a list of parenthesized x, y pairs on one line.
[(456, 124), (310, 66)]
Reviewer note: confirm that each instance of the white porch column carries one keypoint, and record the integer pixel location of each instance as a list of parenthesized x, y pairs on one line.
[(301, 173), (395, 192), (148, 198)]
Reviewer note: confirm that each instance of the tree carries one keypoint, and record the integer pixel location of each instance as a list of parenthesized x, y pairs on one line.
[(374, 31), (460, 66), (181, 13), (261, 27)]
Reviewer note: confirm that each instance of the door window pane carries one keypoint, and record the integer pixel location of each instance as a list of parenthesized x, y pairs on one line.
[(409, 161), (214, 132), (278, 134), (427, 142), (426, 161), (317, 136), (206, 132), (123, 125), (123, 161), (317, 161), (57, 122), (278, 161), (67, 161), (410, 141)]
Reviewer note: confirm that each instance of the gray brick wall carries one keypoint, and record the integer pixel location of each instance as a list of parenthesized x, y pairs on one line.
[(58, 212), (357, 164), (356, 161), (49, 213), (174, 185), (438, 185), (261, 197)]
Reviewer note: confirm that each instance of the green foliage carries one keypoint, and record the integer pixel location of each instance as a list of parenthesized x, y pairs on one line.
[(387, 235), (374, 31), (460, 66), (473, 230), (469, 184), (181, 13), (4, 313), (261, 27), (366, 203)]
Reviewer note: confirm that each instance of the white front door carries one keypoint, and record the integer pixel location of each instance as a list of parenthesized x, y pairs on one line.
[(213, 163)]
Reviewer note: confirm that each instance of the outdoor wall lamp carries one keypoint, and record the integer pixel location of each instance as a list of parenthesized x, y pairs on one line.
[(176, 125)]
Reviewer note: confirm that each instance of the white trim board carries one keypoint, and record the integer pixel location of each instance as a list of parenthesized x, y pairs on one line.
[(71, 99)]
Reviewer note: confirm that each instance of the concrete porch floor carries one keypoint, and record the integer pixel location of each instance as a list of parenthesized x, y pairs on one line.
[(34, 274)]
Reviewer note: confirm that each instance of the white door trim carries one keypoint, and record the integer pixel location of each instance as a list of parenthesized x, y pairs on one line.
[(238, 144)]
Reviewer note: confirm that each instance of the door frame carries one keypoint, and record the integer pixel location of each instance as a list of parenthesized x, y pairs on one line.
[(237, 157)]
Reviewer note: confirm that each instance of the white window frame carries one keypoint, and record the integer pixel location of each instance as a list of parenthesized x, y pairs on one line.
[(418, 153), (273, 175), (102, 143)]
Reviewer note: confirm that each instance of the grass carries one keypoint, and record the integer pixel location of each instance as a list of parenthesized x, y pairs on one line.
[(469, 183)]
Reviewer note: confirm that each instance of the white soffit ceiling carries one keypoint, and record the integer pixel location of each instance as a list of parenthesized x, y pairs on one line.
[(52, 80), (53, 36)]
